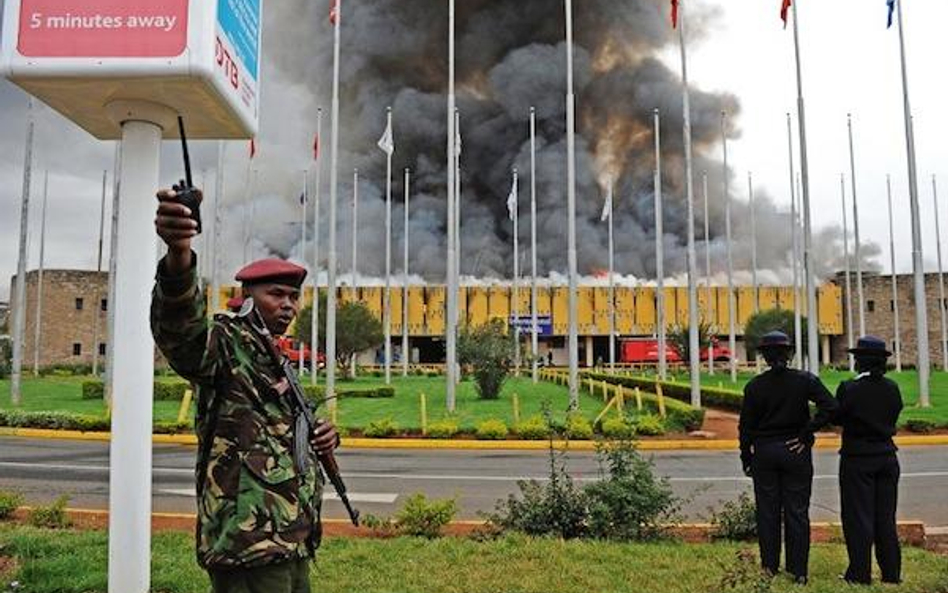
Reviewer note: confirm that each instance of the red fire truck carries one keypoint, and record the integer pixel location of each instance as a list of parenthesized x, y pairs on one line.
[(291, 349), (646, 351)]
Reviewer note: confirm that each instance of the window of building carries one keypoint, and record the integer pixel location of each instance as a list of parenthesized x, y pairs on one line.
[(892, 306), (871, 306), (104, 305), (80, 302), (101, 349), (77, 349)]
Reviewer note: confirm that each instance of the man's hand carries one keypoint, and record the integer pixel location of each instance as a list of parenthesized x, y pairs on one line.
[(174, 225), (801, 443), (324, 438)]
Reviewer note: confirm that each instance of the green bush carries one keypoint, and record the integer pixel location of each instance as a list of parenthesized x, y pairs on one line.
[(317, 393), (6, 355), (52, 420), (171, 427), (534, 428), (488, 350), (380, 429), (52, 516), (9, 502), (649, 425), (93, 390), (617, 428), (578, 427), (736, 520), (443, 429), (677, 398), (425, 518), (164, 390), (492, 430), (921, 426)]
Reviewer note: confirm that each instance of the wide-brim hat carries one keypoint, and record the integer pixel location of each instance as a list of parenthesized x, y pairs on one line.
[(272, 271), (775, 340), (870, 346)]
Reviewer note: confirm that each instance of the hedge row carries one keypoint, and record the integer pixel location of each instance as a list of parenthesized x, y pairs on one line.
[(318, 393), (680, 414), (164, 390), (65, 421), (714, 397)]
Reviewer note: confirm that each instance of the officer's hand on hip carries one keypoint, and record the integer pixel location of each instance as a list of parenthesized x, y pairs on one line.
[(801, 443), (324, 438)]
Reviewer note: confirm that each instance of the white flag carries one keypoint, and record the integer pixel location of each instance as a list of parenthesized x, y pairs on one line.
[(387, 141), (607, 207), (512, 199)]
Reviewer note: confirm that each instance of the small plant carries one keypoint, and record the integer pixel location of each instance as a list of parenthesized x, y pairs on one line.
[(534, 428), (443, 429), (425, 518), (492, 430), (578, 427), (921, 426), (52, 516), (380, 429), (9, 501), (736, 520), (617, 428), (380, 525), (650, 425), (744, 574)]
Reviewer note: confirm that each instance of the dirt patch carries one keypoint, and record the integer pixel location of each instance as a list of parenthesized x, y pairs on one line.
[(719, 424), (8, 566)]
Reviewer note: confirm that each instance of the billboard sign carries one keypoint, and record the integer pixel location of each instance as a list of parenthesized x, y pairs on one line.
[(525, 324), (237, 48)]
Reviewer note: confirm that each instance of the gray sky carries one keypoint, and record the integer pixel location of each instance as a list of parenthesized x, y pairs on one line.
[(851, 64)]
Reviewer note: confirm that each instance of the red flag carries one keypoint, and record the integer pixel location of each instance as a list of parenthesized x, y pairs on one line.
[(253, 148), (334, 12), (783, 11), (674, 14), (316, 148)]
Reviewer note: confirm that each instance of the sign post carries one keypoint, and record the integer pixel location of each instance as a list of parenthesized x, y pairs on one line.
[(124, 70)]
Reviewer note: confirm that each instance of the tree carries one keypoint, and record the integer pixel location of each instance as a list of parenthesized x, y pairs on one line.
[(768, 321), (6, 354), (357, 329), (488, 350), (678, 339)]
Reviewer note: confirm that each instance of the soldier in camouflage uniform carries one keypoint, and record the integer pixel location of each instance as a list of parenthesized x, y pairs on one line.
[(258, 521)]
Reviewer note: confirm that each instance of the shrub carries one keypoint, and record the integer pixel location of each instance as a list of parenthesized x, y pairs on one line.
[(578, 427), (164, 390), (736, 520), (487, 349), (649, 425), (6, 355), (52, 516), (380, 429), (534, 428), (677, 397), (93, 390), (492, 430), (9, 502), (618, 428), (443, 429), (425, 518), (317, 393), (921, 426)]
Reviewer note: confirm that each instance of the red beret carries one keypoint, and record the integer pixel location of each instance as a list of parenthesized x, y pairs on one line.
[(272, 271)]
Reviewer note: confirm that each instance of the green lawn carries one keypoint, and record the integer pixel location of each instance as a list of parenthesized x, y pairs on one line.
[(75, 562)]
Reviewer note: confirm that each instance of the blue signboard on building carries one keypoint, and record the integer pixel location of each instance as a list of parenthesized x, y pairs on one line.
[(525, 323), (239, 20)]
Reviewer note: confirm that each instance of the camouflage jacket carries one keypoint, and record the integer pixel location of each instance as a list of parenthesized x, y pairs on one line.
[(254, 507)]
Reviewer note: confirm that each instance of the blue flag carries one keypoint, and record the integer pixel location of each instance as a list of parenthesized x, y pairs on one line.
[(891, 4)]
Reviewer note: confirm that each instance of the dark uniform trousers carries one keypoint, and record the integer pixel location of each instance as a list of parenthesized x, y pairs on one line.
[(285, 577), (869, 490), (783, 481)]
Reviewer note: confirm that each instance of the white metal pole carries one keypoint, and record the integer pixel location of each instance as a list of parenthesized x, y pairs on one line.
[(355, 253), (709, 294), (795, 252), (218, 227), (571, 214), (133, 364), (801, 297), (848, 281), (612, 284), (516, 270), (693, 343), (858, 244), (387, 297), (452, 297), (98, 296), (813, 346), (317, 194), (333, 195), (897, 340), (304, 197), (406, 351), (38, 326), (534, 341), (941, 278), (731, 304), (19, 311), (457, 214), (113, 249), (753, 238), (659, 252)]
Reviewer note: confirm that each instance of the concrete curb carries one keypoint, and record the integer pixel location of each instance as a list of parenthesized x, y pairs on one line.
[(432, 444)]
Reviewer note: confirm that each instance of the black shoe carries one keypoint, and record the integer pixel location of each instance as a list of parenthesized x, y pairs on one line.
[(800, 580)]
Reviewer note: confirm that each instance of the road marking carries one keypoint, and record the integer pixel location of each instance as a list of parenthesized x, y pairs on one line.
[(367, 497)]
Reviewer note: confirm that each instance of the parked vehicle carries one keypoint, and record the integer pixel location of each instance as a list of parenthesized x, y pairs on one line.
[(646, 351), (291, 349)]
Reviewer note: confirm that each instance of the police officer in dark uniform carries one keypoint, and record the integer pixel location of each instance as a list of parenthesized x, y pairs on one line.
[(869, 407), (776, 436)]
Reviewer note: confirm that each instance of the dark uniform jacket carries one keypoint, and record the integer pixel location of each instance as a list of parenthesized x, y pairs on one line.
[(869, 408), (254, 506), (777, 407)]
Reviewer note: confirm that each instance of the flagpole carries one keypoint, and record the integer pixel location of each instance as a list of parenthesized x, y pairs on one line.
[(95, 319), (795, 248), (355, 234), (534, 342), (659, 252), (452, 297), (731, 304), (388, 257), (457, 225), (218, 227), (113, 260), (707, 263), (895, 282), (813, 345), (858, 244), (406, 351), (612, 286), (314, 318), (941, 279), (38, 327), (515, 216), (571, 214), (694, 354), (753, 238), (333, 195), (19, 313), (848, 281)]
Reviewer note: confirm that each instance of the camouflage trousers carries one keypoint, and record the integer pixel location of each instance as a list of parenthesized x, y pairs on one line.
[(285, 577)]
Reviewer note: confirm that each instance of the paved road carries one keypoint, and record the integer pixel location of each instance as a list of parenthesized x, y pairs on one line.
[(379, 480)]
